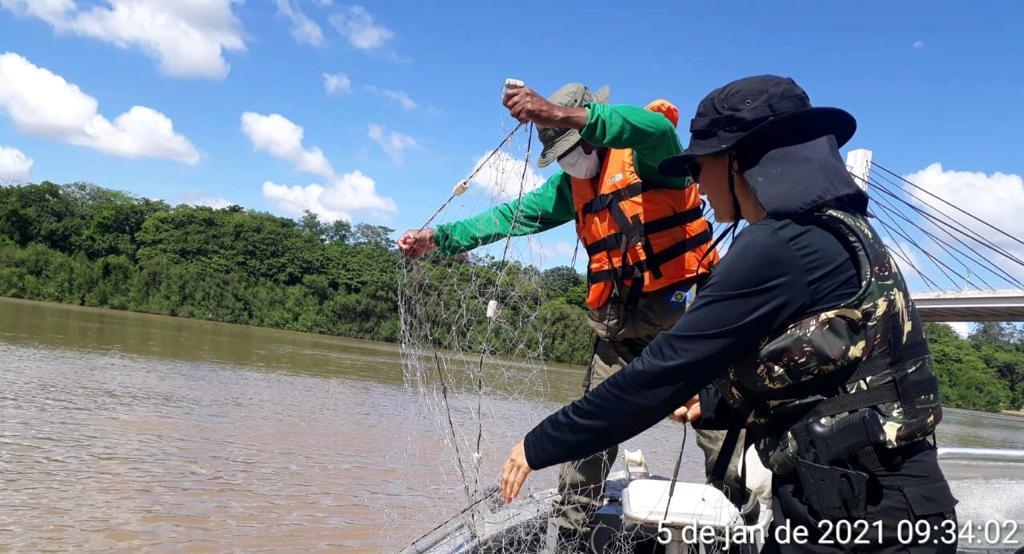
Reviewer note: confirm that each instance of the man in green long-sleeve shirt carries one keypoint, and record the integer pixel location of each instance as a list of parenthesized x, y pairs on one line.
[(650, 134), (644, 232)]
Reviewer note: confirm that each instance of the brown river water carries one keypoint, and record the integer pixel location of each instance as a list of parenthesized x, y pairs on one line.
[(129, 432)]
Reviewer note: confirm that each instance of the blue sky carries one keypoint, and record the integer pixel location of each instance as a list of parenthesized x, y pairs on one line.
[(413, 94)]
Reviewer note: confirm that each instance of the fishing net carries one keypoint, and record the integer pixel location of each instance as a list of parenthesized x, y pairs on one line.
[(473, 344)]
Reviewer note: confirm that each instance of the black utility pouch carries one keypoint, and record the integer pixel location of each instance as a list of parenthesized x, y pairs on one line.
[(834, 493)]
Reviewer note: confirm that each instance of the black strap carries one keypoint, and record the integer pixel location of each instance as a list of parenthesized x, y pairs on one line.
[(603, 201), (670, 253), (717, 473), (616, 240), (636, 289), (900, 374), (645, 244), (875, 395), (842, 403), (877, 364)]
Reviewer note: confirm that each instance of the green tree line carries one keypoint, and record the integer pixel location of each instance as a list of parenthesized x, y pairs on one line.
[(984, 371), (86, 245)]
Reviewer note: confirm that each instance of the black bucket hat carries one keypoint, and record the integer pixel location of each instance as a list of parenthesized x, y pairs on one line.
[(766, 111), (559, 141)]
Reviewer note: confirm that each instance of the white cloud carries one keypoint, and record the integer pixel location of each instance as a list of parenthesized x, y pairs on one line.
[(398, 96), (42, 103), (394, 143), (357, 25), (996, 199), (339, 199), (281, 138), (187, 37), (502, 176), (199, 199), (303, 29), (337, 83), (344, 195), (324, 3), (962, 328), (15, 166), (47, 10), (918, 45)]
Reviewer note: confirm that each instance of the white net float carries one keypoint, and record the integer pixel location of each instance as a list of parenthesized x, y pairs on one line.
[(460, 187)]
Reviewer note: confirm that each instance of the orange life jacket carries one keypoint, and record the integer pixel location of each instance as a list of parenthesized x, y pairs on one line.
[(639, 231)]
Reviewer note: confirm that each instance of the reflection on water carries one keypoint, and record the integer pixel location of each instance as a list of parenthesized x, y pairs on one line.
[(980, 430), (130, 432)]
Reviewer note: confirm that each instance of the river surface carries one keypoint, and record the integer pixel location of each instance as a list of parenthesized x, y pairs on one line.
[(129, 432)]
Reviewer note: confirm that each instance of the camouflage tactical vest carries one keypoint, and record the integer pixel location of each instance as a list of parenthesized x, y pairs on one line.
[(868, 353)]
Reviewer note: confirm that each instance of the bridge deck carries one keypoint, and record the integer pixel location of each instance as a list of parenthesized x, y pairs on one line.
[(971, 306)]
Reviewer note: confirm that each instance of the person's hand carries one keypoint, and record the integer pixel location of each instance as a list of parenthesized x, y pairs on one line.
[(527, 106), (515, 473), (414, 243), (688, 412)]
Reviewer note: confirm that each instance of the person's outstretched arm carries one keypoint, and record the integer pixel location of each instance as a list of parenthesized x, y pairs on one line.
[(757, 289)]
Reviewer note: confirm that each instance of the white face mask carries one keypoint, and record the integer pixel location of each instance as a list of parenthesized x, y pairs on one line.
[(580, 165)]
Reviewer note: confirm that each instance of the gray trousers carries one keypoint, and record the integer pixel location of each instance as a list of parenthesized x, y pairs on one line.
[(621, 336)]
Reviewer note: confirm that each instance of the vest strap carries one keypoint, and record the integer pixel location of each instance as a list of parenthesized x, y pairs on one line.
[(717, 474), (873, 396), (616, 240), (672, 252), (602, 201), (875, 365), (843, 403)]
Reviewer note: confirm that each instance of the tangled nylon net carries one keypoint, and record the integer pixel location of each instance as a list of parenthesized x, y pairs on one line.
[(471, 335)]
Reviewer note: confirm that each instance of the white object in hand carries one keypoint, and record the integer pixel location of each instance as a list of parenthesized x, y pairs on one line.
[(512, 84), (460, 187)]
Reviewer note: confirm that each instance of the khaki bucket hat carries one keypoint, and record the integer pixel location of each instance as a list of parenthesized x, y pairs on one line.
[(559, 141)]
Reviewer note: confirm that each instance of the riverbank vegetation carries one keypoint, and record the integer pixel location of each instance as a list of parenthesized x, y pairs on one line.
[(82, 244)]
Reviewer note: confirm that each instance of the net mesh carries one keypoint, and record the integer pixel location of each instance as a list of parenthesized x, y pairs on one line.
[(469, 323)]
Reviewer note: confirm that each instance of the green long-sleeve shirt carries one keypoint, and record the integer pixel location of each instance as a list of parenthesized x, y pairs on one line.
[(651, 136)]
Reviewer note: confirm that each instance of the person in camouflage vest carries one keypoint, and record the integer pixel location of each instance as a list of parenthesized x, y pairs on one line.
[(805, 336)]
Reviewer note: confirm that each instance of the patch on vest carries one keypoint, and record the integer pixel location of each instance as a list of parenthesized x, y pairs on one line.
[(615, 178), (679, 297)]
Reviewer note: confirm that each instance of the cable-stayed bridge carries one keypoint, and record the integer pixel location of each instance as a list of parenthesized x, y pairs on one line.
[(959, 266)]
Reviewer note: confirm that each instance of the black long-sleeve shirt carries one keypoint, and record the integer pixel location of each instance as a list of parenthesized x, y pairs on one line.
[(775, 273)]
